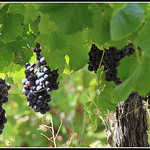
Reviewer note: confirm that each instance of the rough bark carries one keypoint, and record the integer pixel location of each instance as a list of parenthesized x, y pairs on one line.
[(130, 129)]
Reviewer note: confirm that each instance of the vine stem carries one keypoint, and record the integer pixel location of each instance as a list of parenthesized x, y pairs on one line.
[(100, 63), (53, 133), (137, 52), (51, 129), (101, 58)]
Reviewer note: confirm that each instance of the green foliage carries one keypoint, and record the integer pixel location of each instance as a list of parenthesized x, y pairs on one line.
[(34, 25), (104, 100), (53, 47), (119, 44), (77, 51), (66, 32), (5, 55), (17, 8), (52, 42), (30, 13), (143, 38), (69, 18), (100, 33), (136, 77), (10, 23), (126, 20), (21, 48)]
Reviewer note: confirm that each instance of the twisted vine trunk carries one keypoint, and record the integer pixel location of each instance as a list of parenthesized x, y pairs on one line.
[(131, 128)]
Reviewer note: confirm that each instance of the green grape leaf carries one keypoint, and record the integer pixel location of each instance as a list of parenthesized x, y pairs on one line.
[(126, 66), (46, 25), (69, 18), (21, 48), (118, 44), (74, 46), (89, 109), (21, 55), (100, 33), (137, 80), (6, 56), (143, 39), (145, 7), (126, 21), (102, 103), (53, 48), (10, 24), (56, 60), (51, 42), (34, 25), (77, 51), (17, 8), (30, 13), (117, 6), (104, 99)]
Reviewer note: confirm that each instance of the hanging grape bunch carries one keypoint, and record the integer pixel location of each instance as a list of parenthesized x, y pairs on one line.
[(4, 87), (110, 61), (94, 58), (39, 80)]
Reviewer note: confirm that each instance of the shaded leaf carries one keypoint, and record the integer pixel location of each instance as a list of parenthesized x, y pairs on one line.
[(126, 21), (137, 80), (10, 24), (69, 18)]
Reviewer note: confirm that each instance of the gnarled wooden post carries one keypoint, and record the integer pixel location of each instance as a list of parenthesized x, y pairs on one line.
[(130, 129)]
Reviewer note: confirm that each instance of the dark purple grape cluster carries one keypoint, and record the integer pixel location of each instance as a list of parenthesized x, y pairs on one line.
[(4, 87), (110, 60), (95, 55), (39, 80)]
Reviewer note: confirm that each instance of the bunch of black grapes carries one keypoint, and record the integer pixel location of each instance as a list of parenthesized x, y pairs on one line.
[(110, 60), (39, 80), (4, 87), (95, 55)]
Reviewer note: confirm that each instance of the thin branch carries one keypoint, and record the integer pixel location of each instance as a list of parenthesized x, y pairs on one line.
[(47, 137), (69, 130), (58, 129), (53, 133)]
